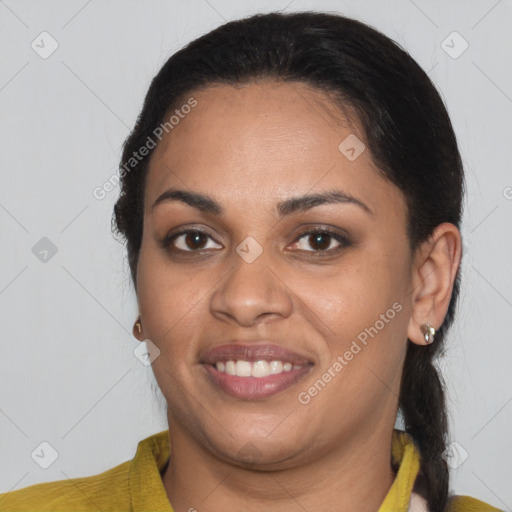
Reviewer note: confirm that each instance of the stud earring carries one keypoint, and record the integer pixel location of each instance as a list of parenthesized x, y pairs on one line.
[(428, 333)]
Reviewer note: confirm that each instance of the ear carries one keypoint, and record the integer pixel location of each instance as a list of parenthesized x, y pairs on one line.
[(434, 269)]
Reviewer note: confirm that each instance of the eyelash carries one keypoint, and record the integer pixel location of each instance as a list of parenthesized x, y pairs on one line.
[(344, 241)]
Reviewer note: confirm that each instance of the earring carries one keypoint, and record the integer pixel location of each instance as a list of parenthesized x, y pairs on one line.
[(428, 333), (138, 325)]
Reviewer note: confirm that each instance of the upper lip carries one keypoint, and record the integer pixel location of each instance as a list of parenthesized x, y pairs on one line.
[(252, 352)]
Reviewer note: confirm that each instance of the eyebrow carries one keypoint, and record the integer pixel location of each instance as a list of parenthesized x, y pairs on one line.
[(207, 204)]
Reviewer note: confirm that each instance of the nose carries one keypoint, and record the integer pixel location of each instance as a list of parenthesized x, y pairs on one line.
[(251, 293)]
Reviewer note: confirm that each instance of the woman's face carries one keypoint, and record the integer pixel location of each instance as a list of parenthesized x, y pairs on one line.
[(258, 281)]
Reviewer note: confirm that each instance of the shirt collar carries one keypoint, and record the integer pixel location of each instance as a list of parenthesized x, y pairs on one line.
[(146, 487), (405, 454)]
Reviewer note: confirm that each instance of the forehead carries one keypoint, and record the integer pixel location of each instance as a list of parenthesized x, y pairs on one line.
[(264, 141)]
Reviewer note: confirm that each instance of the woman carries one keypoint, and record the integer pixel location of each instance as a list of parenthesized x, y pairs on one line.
[(294, 244)]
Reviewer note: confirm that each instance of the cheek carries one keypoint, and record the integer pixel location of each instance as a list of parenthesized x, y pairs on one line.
[(169, 309), (167, 299), (365, 340), (364, 286), (364, 304)]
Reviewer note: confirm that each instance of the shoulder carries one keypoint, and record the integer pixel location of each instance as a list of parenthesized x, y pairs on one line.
[(459, 503), (98, 492)]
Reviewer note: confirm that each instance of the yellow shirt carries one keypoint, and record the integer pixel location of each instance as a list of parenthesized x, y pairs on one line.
[(136, 485)]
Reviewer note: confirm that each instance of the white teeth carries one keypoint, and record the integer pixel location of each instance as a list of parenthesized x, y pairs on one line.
[(276, 367), (258, 369), (230, 367), (243, 369)]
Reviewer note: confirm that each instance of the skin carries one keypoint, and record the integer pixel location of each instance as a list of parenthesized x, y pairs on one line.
[(250, 147)]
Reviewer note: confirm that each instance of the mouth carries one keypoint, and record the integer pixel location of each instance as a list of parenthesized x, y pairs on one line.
[(254, 371)]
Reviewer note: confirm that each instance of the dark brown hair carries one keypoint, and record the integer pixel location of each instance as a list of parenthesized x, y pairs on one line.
[(407, 131)]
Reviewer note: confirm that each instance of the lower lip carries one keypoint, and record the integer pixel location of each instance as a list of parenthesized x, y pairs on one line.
[(253, 388)]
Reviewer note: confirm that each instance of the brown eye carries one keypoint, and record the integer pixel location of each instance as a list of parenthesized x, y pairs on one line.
[(322, 241), (190, 241)]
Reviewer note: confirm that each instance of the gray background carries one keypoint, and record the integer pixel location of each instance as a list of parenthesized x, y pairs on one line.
[(68, 375)]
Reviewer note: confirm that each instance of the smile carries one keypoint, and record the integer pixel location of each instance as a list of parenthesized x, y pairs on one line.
[(254, 387), (254, 370)]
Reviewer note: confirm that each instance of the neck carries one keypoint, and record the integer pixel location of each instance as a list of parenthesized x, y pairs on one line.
[(356, 477)]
